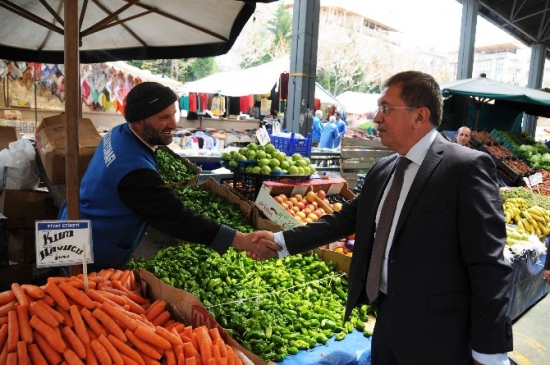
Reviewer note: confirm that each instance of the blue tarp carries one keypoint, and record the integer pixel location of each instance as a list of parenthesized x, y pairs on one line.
[(352, 350)]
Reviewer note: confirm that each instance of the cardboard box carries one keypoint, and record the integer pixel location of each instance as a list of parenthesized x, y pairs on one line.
[(276, 213), (50, 144), (8, 135), (21, 246), (188, 309), (24, 207), (341, 262)]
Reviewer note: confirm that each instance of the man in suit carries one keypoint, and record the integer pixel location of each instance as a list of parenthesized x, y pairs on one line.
[(444, 289)]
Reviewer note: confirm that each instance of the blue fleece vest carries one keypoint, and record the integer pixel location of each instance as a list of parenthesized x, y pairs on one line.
[(116, 229)]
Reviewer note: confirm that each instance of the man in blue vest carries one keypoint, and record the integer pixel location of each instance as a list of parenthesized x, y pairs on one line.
[(122, 191)]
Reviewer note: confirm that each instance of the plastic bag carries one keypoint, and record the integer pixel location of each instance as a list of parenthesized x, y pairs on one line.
[(18, 168)]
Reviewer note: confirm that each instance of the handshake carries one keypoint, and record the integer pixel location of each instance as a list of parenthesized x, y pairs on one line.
[(258, 245)]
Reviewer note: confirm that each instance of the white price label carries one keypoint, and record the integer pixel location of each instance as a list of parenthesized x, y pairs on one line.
[(535, 179), (262, 136), (63, 243)]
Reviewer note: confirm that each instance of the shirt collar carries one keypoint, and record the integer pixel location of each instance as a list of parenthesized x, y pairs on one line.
[(152, 148), (417, 153)]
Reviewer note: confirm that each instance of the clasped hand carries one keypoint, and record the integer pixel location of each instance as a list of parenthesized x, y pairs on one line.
[(258, 245)]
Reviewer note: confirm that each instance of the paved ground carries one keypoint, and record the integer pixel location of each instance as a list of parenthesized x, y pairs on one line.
[(532, 335)]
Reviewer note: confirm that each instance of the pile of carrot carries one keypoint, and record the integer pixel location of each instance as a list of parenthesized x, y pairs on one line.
[(110, 323)]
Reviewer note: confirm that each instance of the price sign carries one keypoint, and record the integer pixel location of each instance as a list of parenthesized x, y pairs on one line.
[(263, 136), (63, 243), (535, 179)]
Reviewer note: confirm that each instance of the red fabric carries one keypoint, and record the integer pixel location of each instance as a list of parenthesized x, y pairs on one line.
[(203, 97), (193, 102), (317, 104), (283, 86), (245, 104)]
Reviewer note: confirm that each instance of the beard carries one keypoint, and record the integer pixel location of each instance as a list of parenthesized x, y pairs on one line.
[(155, 137)]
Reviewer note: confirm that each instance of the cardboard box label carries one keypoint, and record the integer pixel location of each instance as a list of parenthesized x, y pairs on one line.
[(273, 210)]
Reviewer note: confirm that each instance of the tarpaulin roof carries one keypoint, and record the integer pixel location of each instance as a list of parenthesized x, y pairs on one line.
[(358, 103), (530, 101), (253, 80)]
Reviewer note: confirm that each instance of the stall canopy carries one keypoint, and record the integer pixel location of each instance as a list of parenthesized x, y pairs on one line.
[(253, 80), (122, 30), (358, 103), (529, 101)]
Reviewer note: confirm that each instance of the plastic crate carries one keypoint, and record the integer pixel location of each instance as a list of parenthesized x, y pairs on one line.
[(291, 145), (248, 185)]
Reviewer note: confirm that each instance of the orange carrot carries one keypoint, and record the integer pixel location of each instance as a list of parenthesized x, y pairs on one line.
[(216, 354), (53, 338), (178, 350), (149, 360), (91, 359), (22, 353), (13, 331), (133, 283), (92, 322), (53, 290), (113, 352), (161, 319), (181, 358), (3, 335), (173, 339), (36, 356), (33, 291), (101, 296), (237, 359), (25, 330), (52, 311), (119, 316), (46, 349), (205, 343), (180, 327), (79, 284), (170, 357), (194, 340), (185, 339), (48, 300), (12, 358), (75, 342), (135, 297), (192, 361), (134, 307), (126, 350), (4, 320), (230, 355), (4, 355), (152, 338), (106, 273), (155, 309), (78, 296), (20, 295), (214, 334), (124, 278), (211, 361), (67, 320), (6, 297), (143, 346), (188, 330), (38, 310), (221, 345), (72, 358), (6, 308), (129, 361), (109, 324), (79, 326), (190, 352), (101, 353)]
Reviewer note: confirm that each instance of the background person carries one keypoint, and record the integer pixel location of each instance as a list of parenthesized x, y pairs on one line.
[(317, 127), (463, 136), (341, 125), (443, 294), (329, 133), (122, 192)]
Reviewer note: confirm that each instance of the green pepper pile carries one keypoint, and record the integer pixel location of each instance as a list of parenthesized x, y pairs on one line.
[(214, 206), (172, 169), (273, 308)]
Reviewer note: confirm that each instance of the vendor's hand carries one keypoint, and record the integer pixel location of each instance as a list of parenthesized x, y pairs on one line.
[(258, 245), (547, 276)]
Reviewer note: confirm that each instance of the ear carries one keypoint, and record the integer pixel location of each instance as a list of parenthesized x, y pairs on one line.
[(422, 117)]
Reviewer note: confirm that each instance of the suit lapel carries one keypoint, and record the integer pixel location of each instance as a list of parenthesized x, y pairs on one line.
[(432, 159)]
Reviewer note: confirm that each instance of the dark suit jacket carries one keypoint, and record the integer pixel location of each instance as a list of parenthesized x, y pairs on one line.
[(446, 262)]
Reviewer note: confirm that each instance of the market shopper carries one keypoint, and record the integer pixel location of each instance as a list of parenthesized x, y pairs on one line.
[(463, 136), (341, 125), (122, 192), (329, 133), (317, 127), (443, 288)]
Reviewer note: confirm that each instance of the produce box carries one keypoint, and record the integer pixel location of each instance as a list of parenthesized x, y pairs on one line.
[(50, 137), (275, 211), (8, 135), (24, 207), (189, 309), (341, 262), (248, 184)]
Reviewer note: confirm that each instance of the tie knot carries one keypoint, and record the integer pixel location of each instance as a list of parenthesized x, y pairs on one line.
[(402, 163)]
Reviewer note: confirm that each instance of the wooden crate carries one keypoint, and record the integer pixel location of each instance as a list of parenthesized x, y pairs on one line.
[(358, 155)]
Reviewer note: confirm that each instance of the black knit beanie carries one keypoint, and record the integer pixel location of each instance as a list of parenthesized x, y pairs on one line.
[(146, 99)]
